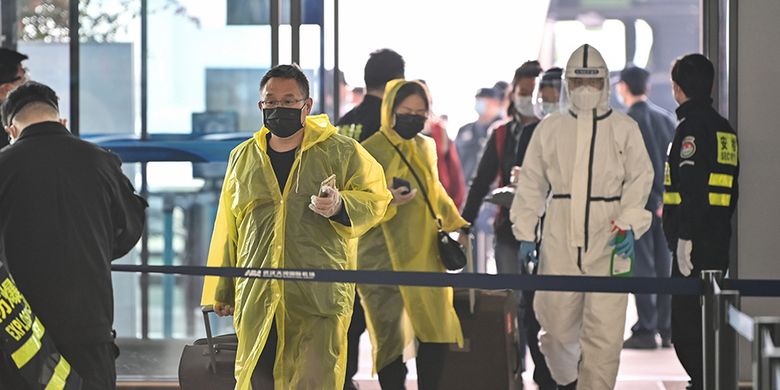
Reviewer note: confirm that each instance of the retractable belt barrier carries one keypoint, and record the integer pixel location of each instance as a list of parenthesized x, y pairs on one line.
[(637, 285)]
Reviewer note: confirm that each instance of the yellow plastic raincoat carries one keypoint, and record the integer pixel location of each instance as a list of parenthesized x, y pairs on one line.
[(406, 241), (257, 226)]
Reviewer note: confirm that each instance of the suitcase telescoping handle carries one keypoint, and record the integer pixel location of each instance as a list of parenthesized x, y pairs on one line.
[(470, 266), (209, 339), (214, 348)]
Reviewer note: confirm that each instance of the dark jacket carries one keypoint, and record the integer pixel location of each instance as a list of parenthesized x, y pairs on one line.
[(366, 115), (66, 211), (470, 141), (492, 168), (702, 184), (657, 127)]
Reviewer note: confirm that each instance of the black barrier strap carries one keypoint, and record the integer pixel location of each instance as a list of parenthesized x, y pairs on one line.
[(754, 287), (674, 286)]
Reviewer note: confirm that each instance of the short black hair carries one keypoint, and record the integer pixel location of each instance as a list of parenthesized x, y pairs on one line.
[(695, 74), (409, 89), (529, 70), (292, 72), (636, 80), (27, 93), (382, 66)]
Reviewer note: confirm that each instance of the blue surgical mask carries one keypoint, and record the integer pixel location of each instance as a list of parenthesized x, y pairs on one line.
[(480, 107)]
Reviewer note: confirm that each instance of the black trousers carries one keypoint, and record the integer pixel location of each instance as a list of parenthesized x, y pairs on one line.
[(430, 368), (686, 309), (263, 376), (356, 329), (94, 363)]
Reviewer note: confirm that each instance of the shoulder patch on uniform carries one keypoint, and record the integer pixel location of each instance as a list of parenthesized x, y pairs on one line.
[(728, 150), (688, 148)]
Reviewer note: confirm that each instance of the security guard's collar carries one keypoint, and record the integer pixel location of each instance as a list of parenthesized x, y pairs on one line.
[(692, 105), (43, 128)]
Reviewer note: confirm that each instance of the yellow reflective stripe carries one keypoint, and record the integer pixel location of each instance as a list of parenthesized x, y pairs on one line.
[(672, 198), (720, 199), (30, 347), (667, 175), (60, 376), (721, 180)]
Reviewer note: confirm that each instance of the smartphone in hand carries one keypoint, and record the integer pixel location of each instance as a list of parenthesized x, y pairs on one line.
[(398, 183), (330, 182)]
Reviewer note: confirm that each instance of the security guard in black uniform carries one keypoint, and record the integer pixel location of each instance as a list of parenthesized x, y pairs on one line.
[(701, 194)]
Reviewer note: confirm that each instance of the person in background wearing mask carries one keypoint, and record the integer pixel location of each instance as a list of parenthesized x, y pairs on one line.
[(495, 165), (12, 75), (653, 258), (406, 241), (701, 194), (297, 195), (471, 138), (361, 123), (587, 171)]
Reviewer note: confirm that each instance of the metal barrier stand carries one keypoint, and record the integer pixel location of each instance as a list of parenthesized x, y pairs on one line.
[(726, 342), (766, 357), (709, 316)]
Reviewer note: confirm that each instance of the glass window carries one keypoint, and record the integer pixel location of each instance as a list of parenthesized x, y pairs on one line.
[(199, 63)]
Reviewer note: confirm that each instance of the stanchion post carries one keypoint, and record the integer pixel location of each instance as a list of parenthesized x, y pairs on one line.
[(711, 279), (726, 347), (765, 329)]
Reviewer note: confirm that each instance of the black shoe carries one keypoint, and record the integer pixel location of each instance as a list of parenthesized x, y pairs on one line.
[(570, 386), (640, 341)]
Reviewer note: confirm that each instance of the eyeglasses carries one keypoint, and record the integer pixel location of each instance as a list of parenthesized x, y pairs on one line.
[(286, 103)]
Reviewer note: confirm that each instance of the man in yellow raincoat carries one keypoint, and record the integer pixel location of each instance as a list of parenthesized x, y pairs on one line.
[(406, 241), (279, 210)]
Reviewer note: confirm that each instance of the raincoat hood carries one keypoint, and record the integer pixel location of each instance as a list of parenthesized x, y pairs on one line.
[(388, 101)]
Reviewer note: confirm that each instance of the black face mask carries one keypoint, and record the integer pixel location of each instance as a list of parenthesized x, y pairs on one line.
[(283, 122), (408, 125)]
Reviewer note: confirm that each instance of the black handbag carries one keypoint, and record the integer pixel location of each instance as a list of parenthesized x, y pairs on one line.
[(452, 254)]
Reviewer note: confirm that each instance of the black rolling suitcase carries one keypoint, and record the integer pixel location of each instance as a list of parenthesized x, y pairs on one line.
[(208, 363), (489, 357)]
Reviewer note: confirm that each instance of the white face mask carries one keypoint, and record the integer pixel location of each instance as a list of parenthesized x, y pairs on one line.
[(585, 98), (524, 105), (549, 108)]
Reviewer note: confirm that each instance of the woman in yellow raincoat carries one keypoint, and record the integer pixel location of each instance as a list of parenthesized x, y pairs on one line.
[(258, 225), (397, 316)]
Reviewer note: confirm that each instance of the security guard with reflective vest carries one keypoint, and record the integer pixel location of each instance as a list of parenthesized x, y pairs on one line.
[(701, 194), (28, 357)]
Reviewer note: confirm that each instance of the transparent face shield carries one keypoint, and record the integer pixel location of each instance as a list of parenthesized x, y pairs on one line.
[(594, 91), (547, 97)]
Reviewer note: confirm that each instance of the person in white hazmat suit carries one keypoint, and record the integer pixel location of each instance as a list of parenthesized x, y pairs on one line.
[(588, 172)]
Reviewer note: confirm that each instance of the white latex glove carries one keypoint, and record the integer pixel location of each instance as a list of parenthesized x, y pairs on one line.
[(684, 249), (399, 198), (327, 205), (514, 176)]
